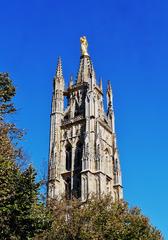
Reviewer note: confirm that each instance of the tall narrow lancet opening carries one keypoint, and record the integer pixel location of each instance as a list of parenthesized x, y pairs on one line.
[(78, 156), (107, 160), (78, 169), (68, 157), (97, 162)]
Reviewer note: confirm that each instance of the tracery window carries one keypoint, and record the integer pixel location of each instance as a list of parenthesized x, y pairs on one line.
[(107, 160)]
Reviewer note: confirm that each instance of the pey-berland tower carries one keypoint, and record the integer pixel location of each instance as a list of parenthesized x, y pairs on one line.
[(83, 154)]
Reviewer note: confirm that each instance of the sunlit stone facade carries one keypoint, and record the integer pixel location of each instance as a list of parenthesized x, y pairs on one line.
[(83, 155)]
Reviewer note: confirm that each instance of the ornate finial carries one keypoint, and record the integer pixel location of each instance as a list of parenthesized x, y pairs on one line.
[(100, 85), (109, 94), (71, 81), (84, 46), (59, 68), (109, 86)]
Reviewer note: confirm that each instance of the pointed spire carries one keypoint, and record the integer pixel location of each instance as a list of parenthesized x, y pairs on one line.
[(92, 77), (71, 81), (85, 69), (58, 82), (109, 88), (59, 68), (109, 95), (101, 85), (93, 71)]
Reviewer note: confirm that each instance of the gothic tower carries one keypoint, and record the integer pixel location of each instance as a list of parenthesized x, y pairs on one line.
[(83, 155)]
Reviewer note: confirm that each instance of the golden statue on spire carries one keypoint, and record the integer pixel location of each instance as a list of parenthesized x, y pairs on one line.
[(84, 46)]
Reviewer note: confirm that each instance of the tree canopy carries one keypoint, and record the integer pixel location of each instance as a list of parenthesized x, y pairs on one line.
[(7, 92), (99, 219), (21, 213), (24, 216)]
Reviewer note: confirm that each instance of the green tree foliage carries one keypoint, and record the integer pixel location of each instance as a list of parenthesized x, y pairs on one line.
[(21, 213), (99, 219), (7, 92), (24, 216)]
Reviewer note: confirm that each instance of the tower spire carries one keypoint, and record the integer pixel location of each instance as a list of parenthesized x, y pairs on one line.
[(71, 81), (109, 95), (101, 85), (59, 68), (86, 71), (83, 156), (58, 83)]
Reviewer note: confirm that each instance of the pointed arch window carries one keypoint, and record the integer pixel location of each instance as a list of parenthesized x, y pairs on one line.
[(107, 160), (68, 157)]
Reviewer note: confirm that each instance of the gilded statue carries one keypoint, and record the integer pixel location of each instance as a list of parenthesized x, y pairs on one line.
[(84, 46)]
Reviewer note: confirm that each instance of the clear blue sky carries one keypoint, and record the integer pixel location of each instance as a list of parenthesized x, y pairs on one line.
[(128, 43)]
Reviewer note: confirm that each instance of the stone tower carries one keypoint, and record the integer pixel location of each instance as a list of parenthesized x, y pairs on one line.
[(83, 155)]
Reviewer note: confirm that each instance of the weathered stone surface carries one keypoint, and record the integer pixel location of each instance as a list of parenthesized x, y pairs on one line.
[(83, 157)]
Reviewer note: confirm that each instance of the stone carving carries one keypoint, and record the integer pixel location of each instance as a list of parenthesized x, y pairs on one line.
[(84, 46)]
